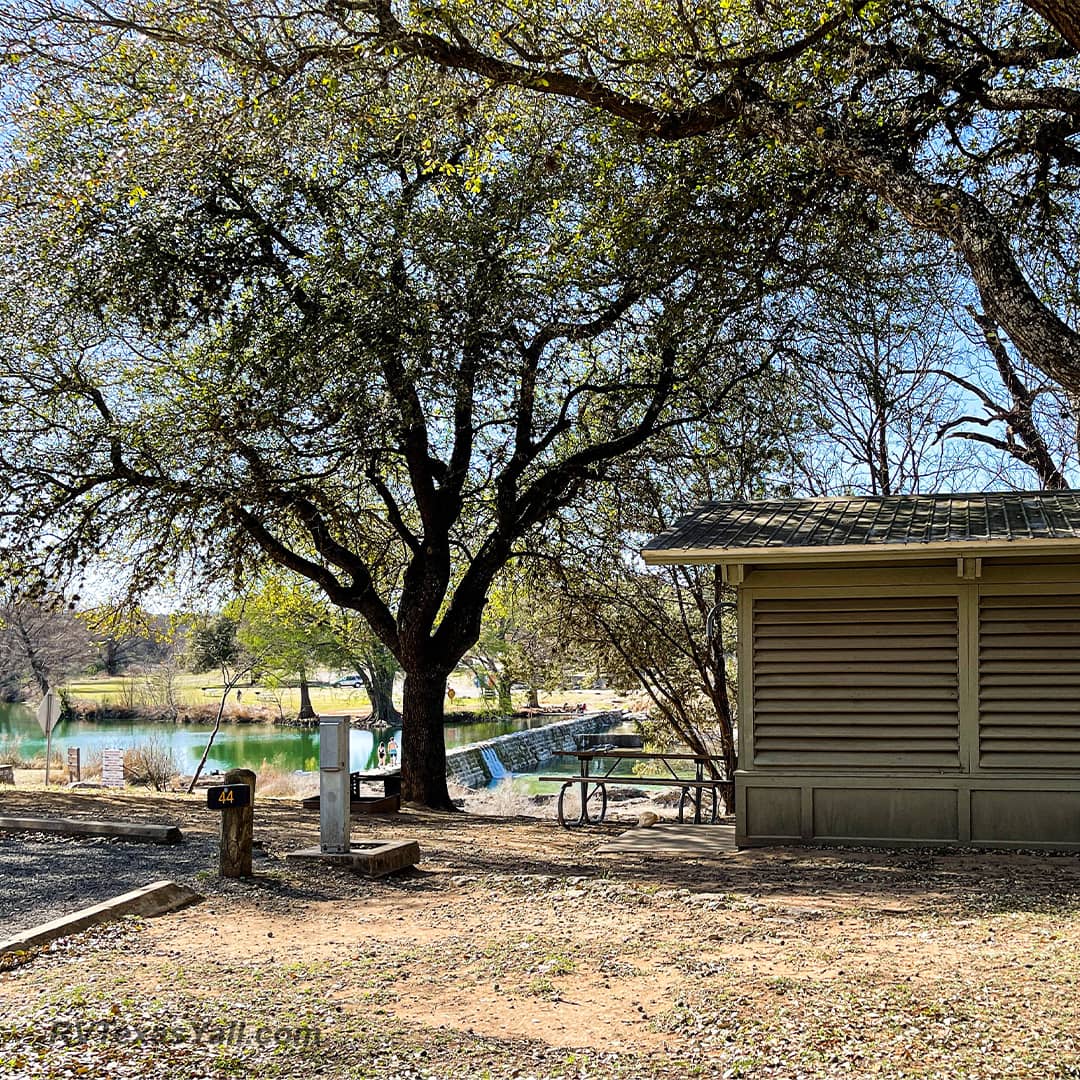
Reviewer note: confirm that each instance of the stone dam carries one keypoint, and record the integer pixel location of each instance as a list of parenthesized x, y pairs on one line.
[(478, 764)]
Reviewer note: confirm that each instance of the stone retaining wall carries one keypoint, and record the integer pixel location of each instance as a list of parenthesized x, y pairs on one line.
[(523, 751)]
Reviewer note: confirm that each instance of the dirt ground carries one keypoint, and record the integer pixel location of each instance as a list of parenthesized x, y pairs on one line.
[(516, 949)]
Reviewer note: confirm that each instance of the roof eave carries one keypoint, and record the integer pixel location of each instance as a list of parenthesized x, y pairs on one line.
[(870, 553)]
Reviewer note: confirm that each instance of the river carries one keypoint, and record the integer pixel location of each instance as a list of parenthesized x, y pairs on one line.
[(236, 746)]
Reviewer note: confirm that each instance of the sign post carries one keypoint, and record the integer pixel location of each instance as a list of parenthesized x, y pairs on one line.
[(48, 714)]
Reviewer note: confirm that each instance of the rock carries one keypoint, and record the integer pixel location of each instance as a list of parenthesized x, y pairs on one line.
[(647, 819), (623, 794)]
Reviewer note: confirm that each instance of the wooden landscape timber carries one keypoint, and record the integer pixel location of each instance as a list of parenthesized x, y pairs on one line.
[(158, 898), (122, 830)]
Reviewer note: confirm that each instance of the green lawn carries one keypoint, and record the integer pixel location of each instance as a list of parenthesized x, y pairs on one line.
[(206, 688), (143, 690)]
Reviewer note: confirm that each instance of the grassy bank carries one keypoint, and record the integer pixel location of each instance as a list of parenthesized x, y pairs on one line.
[(196, 697), (201, 694)]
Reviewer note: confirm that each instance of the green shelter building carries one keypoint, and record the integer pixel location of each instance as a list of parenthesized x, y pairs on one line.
[(909, 666)]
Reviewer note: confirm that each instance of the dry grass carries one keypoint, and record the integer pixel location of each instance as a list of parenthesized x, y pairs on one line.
[(13, 753), (277, 783), (503, 800), (151, 764), (90, 765)]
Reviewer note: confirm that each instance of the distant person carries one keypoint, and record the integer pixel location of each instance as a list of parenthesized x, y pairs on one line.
[(391, 751), (382, 755)]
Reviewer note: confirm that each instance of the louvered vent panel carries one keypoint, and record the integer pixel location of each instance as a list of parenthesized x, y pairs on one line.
[(859, 681), (1029, 682)]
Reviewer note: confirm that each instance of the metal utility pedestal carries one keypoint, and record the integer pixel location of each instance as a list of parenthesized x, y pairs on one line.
[(372, 857), (334, 793)]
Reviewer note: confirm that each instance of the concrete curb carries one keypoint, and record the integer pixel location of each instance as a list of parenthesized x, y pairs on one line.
[(157, 899), (156, 834)]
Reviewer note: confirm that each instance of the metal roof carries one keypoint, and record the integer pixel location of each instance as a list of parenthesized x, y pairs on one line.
[(906, 521)]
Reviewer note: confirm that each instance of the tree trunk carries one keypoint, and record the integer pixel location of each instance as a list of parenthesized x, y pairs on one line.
[(722, 704), (381, 668), (30, 651), (534, 698), (383, 710), (1062, 15), (306, 711), (506, 702), (423, 764), (111, 657)]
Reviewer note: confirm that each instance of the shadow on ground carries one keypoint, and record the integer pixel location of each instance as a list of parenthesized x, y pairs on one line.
[(460, 845)]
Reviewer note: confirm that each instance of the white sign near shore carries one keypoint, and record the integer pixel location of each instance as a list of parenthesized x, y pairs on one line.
[(48, 712), (47, 715), (112, 768)]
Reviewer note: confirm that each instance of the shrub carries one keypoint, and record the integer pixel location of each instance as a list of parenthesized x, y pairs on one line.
[(11, 752), (275, 782), (151, 764), (90, 766)]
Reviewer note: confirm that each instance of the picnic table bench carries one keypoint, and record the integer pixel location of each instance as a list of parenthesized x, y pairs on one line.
[(389, 778), (387, 803), (697, 791)]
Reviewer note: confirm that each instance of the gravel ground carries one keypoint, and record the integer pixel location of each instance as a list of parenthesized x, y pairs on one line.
[(43, 877), (518, 949)]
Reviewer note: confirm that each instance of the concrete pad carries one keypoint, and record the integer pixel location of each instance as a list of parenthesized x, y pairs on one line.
[(375, 858), (155, 834), (156, 899), (688, 841)]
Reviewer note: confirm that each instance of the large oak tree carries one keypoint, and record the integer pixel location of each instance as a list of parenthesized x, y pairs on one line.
[(960, 116), (364, 324)]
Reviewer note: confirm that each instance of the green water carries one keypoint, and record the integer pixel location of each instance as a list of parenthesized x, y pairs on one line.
[(236, 746)]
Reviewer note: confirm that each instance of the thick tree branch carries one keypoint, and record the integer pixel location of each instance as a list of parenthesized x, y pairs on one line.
[(1062, 15), (360, 595), (944, 209)]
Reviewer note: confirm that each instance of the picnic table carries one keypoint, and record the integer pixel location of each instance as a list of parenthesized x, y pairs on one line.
[(593, 784)]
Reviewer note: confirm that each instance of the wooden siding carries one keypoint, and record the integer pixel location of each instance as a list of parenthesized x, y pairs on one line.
[(1029, 681), (856, 681)]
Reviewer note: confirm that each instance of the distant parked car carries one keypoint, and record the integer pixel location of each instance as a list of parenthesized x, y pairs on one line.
[(350, 681)]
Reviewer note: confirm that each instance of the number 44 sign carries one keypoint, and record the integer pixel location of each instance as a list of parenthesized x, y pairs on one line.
[(228, 796)]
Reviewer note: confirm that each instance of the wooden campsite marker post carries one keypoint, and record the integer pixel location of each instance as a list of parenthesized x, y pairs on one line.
[(235, 800)]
